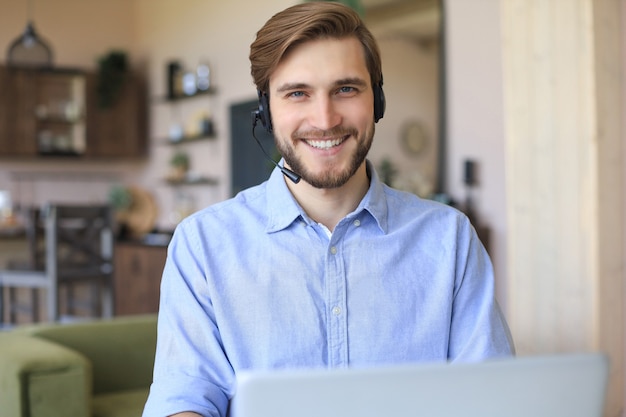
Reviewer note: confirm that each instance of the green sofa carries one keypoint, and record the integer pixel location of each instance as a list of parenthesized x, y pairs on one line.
[(99, 368)]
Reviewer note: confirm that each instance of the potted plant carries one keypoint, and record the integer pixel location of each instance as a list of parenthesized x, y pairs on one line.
[(180, 166), (121, 199), (112, 72)]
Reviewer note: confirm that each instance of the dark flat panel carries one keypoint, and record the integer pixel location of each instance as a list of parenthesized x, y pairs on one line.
[(248, 164)]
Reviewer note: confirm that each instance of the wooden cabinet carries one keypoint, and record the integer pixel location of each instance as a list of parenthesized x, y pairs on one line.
[(5, 107), (55, 112), (17, 106), (118, 131), (138, 270)]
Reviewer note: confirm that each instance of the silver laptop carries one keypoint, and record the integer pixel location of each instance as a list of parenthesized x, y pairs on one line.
[(571, 385)]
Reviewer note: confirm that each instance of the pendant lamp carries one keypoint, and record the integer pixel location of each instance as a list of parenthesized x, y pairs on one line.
[(29, 50)]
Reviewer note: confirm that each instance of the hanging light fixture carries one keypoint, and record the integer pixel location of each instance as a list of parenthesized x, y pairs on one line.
[(29, 50)]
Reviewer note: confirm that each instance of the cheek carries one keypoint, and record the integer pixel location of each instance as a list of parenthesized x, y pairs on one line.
[(284, 120), (359, 112)]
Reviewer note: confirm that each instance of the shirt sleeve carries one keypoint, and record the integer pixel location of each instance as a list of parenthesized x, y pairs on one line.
[(478, 329), (191, 370)]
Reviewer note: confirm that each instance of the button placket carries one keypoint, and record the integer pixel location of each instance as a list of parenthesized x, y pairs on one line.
[(336, 302)]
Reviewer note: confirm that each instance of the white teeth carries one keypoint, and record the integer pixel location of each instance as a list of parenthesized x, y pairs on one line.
[(324, 144)]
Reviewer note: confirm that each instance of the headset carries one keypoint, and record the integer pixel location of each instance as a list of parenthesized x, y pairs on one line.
[(263, 115)]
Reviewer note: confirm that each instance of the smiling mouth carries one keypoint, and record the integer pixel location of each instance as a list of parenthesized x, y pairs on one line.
[(325, 144)]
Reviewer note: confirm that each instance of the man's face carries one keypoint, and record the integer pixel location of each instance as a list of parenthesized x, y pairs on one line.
[(322, 110)]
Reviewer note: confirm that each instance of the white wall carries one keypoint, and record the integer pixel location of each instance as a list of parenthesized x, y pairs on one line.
[(410, 73), (623, 54), (475, 119), (79, 31)]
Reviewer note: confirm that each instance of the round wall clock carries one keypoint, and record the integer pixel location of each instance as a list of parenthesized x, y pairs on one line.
[(414, 137)]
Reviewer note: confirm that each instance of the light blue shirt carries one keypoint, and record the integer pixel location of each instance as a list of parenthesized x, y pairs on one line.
[(254, 283)]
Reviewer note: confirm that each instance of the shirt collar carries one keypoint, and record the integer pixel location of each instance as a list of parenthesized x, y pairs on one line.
[(283, 209)]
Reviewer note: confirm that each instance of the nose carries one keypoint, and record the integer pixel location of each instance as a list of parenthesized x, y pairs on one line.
[(325, 114)]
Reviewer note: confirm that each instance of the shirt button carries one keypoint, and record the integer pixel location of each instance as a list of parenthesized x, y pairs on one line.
[(333, 250), (336, 311), (357, 223)]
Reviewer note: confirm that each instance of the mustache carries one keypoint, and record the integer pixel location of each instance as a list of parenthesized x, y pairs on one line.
[(338, 131)]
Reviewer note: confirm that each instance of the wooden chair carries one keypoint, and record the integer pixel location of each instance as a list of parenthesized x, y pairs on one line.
[(35, 261), (77, 248)]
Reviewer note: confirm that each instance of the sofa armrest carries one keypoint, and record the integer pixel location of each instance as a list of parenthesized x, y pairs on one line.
[(42, 378), (120, 350)]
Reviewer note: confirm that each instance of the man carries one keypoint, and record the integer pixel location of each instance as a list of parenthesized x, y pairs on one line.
[(334, 270)]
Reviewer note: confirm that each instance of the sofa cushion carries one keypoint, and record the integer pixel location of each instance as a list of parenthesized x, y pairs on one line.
[(120, 404), (48, 393)]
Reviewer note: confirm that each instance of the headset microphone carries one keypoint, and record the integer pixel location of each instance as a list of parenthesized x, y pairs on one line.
[(295, 178)]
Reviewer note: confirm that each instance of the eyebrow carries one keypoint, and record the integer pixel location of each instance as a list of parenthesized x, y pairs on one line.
[(344, 81), (291, 86)]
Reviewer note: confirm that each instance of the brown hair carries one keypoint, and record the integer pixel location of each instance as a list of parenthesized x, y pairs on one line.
[(304, 22)]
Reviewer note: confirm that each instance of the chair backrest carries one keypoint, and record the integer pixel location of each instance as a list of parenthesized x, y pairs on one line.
[(34, 231), (79, 240), (35, 237)]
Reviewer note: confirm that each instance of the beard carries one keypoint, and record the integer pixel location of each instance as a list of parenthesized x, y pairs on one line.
[(330, 178)]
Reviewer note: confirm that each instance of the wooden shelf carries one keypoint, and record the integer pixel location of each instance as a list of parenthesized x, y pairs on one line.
[(60, 120), (168, 99), (60, 153), (198, 181), (189, 139)]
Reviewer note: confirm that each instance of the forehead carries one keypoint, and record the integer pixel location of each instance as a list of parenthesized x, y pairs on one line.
[(321, 61)]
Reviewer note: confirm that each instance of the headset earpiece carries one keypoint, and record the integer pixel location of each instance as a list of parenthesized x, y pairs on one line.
[(263, 113), (379, 102)]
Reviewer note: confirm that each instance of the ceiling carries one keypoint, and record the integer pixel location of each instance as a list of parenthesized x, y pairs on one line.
[(415, 19)]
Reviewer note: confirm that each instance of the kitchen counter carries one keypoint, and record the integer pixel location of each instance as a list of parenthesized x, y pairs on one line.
[(149, 239), (13, 246), (12, 231)]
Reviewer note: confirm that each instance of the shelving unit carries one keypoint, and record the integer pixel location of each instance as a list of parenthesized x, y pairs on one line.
[(182, 138), (196, 181), (60, 114), (170, 99), (46, 113), (189, 139)]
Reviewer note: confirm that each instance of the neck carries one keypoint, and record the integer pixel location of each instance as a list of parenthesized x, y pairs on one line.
[(329, 206)]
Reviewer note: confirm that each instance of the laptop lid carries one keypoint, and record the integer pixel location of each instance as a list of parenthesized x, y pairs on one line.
[(570, 385)]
